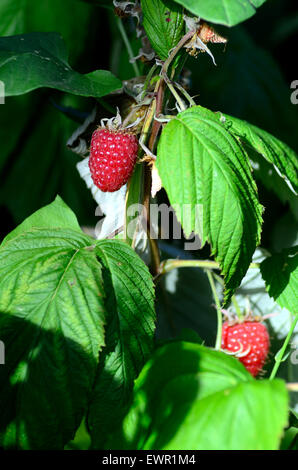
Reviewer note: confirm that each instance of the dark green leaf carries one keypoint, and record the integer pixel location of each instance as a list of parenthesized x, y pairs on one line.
[(38, 60)]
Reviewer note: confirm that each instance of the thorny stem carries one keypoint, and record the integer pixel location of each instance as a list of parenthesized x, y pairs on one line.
[(280, 354), (218, 309), (155, 258), (128, 46), (164, 69), (148, 121)]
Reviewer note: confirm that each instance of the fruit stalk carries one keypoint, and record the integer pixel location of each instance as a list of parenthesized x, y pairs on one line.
[(279, 356)]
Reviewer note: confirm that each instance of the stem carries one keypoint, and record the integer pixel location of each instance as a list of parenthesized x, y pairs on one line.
[(184, 92), (148, 80), (281, 352), (175, 50), (218, 310), (174, 93), (128, 46)]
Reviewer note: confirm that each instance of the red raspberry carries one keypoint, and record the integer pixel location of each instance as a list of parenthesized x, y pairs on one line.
[(251, 336), (112, 159)]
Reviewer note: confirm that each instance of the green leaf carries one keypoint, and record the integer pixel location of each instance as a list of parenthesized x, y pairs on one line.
[(290, 439), (226, 12), (23, 107), (57, 214), (52, 325), (282, 157), (180, 300), (11, 13), (280, 273), (163, 23), (190, 397), (38, 60), (242, 71), (207, 176), (129, 335)]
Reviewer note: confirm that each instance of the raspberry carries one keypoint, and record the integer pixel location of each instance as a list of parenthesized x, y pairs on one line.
[(250, 336), (112, 159)]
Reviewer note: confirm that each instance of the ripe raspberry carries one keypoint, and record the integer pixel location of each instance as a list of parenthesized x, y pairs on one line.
[(250, 336), (112, 159)]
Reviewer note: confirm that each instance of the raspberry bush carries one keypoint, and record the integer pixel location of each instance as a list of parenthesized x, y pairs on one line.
[(148, 264)]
